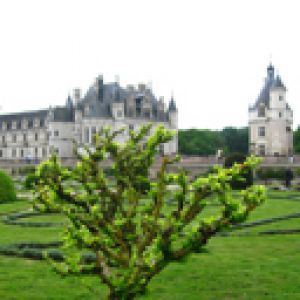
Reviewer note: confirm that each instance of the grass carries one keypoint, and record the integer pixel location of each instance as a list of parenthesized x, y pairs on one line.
[(237, 267)]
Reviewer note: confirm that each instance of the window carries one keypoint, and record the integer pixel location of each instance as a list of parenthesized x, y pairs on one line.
[(131, 127), (288, 129), (147, 114), (119, 114), (280, 97), (56, 133), (262, 150), (19, 124), (36, 151), (280, 115), (30, 123), (44, 152), (14, 138), (36, 136), (42, 122), (87, 135), (261, 131), (94, 131), (22, 153), (8, 127), (13, 153), (1, 153), (3, 138), (24, 137)]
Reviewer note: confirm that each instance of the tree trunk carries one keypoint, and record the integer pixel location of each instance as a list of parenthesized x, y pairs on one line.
[(121, 295)]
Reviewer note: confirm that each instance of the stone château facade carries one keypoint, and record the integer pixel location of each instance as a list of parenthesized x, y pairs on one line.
[(37, 134), (271, 120)]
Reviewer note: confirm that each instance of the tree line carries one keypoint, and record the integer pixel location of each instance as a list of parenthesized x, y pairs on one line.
[(207, 142), (229, 139)]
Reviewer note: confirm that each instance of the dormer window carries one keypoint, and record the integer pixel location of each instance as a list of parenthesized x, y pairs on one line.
[(261, 111), (30, 124)]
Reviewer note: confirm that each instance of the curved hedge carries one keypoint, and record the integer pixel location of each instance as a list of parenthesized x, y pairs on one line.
[(7, 188)]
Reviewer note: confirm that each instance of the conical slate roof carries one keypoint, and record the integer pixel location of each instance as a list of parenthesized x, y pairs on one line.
[(270, 82), (278, 83)]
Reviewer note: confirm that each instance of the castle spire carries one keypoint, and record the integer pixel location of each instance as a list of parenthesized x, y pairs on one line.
[(172, 103), (270, 72)]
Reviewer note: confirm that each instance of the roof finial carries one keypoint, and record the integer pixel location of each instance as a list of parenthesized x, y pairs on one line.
[(270, 59)]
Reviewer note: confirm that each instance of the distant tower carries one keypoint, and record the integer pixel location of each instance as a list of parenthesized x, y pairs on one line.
[(271, 120)]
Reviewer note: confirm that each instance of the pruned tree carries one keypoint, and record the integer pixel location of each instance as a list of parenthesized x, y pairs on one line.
[(136, 226)]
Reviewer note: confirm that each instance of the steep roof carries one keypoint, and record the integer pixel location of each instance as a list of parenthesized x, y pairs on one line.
[(278, 83), (24, 115), (63, 114), (270, 82), (112, 92), (172, 105)]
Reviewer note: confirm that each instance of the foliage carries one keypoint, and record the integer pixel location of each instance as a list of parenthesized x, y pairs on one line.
[(133, 236), (236, 140), (207, 142), (7, 188), (26, 170), (30, 181), (246, 178), (199, 142), (297, 140)]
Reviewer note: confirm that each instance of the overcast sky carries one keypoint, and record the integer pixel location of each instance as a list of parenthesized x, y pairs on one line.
[(212, 54)]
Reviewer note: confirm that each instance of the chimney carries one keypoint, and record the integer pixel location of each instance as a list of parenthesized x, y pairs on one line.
[(99, 88), (76, 95)]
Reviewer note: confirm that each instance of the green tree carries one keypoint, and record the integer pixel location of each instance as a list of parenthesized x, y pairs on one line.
[(207, 142), (7, 188), (297, 140), (235, 140), (134, 232), (199, 142)]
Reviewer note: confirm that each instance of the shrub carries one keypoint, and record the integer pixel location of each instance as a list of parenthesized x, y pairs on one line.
[(134, 236), (7, 188)]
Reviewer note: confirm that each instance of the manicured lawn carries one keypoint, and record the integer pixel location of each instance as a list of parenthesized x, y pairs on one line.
[(235, 267)]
